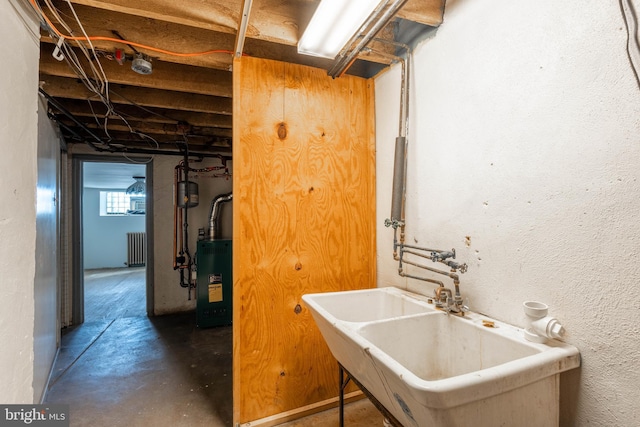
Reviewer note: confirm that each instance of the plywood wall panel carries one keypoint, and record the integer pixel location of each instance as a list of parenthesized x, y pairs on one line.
[(304, 158)]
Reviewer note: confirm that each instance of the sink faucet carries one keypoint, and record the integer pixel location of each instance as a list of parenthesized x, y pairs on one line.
[(446, 300)]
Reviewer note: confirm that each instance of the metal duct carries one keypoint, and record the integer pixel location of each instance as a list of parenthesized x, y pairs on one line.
[(214, 213)]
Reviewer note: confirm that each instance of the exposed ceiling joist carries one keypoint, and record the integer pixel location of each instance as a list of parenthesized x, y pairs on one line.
[(151, 128), (73, 88), (153, 115), (166, 75), (426, 12), (278, 21), (161, 34), (193, 90), (220, 16), (123, 142)]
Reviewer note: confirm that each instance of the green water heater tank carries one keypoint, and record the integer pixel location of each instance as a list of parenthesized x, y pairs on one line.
[(215, 283)]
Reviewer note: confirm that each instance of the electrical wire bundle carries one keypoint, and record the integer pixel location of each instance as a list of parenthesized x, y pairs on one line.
[(630, 18), (92, 75)]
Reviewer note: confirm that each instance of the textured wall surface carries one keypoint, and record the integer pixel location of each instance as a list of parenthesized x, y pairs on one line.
[(18, 170), (524, 155)]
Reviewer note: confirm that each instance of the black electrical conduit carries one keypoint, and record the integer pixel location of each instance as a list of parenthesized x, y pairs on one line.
[(82, 126), (69, 129), (111, 149), (197, 154)]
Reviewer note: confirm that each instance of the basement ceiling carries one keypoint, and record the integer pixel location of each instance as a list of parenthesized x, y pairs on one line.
[(186, 98), (110, 175)]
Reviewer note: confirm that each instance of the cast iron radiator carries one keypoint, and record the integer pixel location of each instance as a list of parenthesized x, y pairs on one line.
[(136, 249)]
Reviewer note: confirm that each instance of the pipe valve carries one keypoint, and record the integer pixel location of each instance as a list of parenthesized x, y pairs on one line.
[(443, 255), (462, 268), (393, 223)]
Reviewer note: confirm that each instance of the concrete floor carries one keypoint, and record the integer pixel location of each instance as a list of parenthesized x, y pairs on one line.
[(114, 292), (126, 369)]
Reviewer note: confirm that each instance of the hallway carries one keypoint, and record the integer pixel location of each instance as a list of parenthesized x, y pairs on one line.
[(140, 371), (123, 368)]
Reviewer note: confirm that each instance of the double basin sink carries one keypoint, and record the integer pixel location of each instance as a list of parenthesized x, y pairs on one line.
[(428, 367)]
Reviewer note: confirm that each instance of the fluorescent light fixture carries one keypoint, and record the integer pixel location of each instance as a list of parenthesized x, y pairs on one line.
[(333, 24)]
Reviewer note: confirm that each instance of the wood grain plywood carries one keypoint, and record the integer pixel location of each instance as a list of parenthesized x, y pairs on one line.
[(304, 217)]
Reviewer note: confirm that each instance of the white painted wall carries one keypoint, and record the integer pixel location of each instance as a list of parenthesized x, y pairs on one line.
[(525, 137), (105, 237), (169, 297), (18, 170), (46, 328)]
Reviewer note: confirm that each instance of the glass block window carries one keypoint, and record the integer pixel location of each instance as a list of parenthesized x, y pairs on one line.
[(114, 203)]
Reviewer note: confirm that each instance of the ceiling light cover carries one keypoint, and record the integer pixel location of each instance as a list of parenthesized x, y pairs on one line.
[(332, 26), (138, 188)]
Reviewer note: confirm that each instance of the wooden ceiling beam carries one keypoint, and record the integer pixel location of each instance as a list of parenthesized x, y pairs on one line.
[(159, 34), (280, 52), (148, 128), (131, 139), (153, 115), (196, 90), (275, 21), (280, 21), (167, 141), (170, 147), (167, 76), (427, 12), (222, 16), (64, 87)]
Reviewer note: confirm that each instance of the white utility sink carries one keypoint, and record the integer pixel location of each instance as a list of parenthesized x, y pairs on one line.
[(369, 304), (430, 368)]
